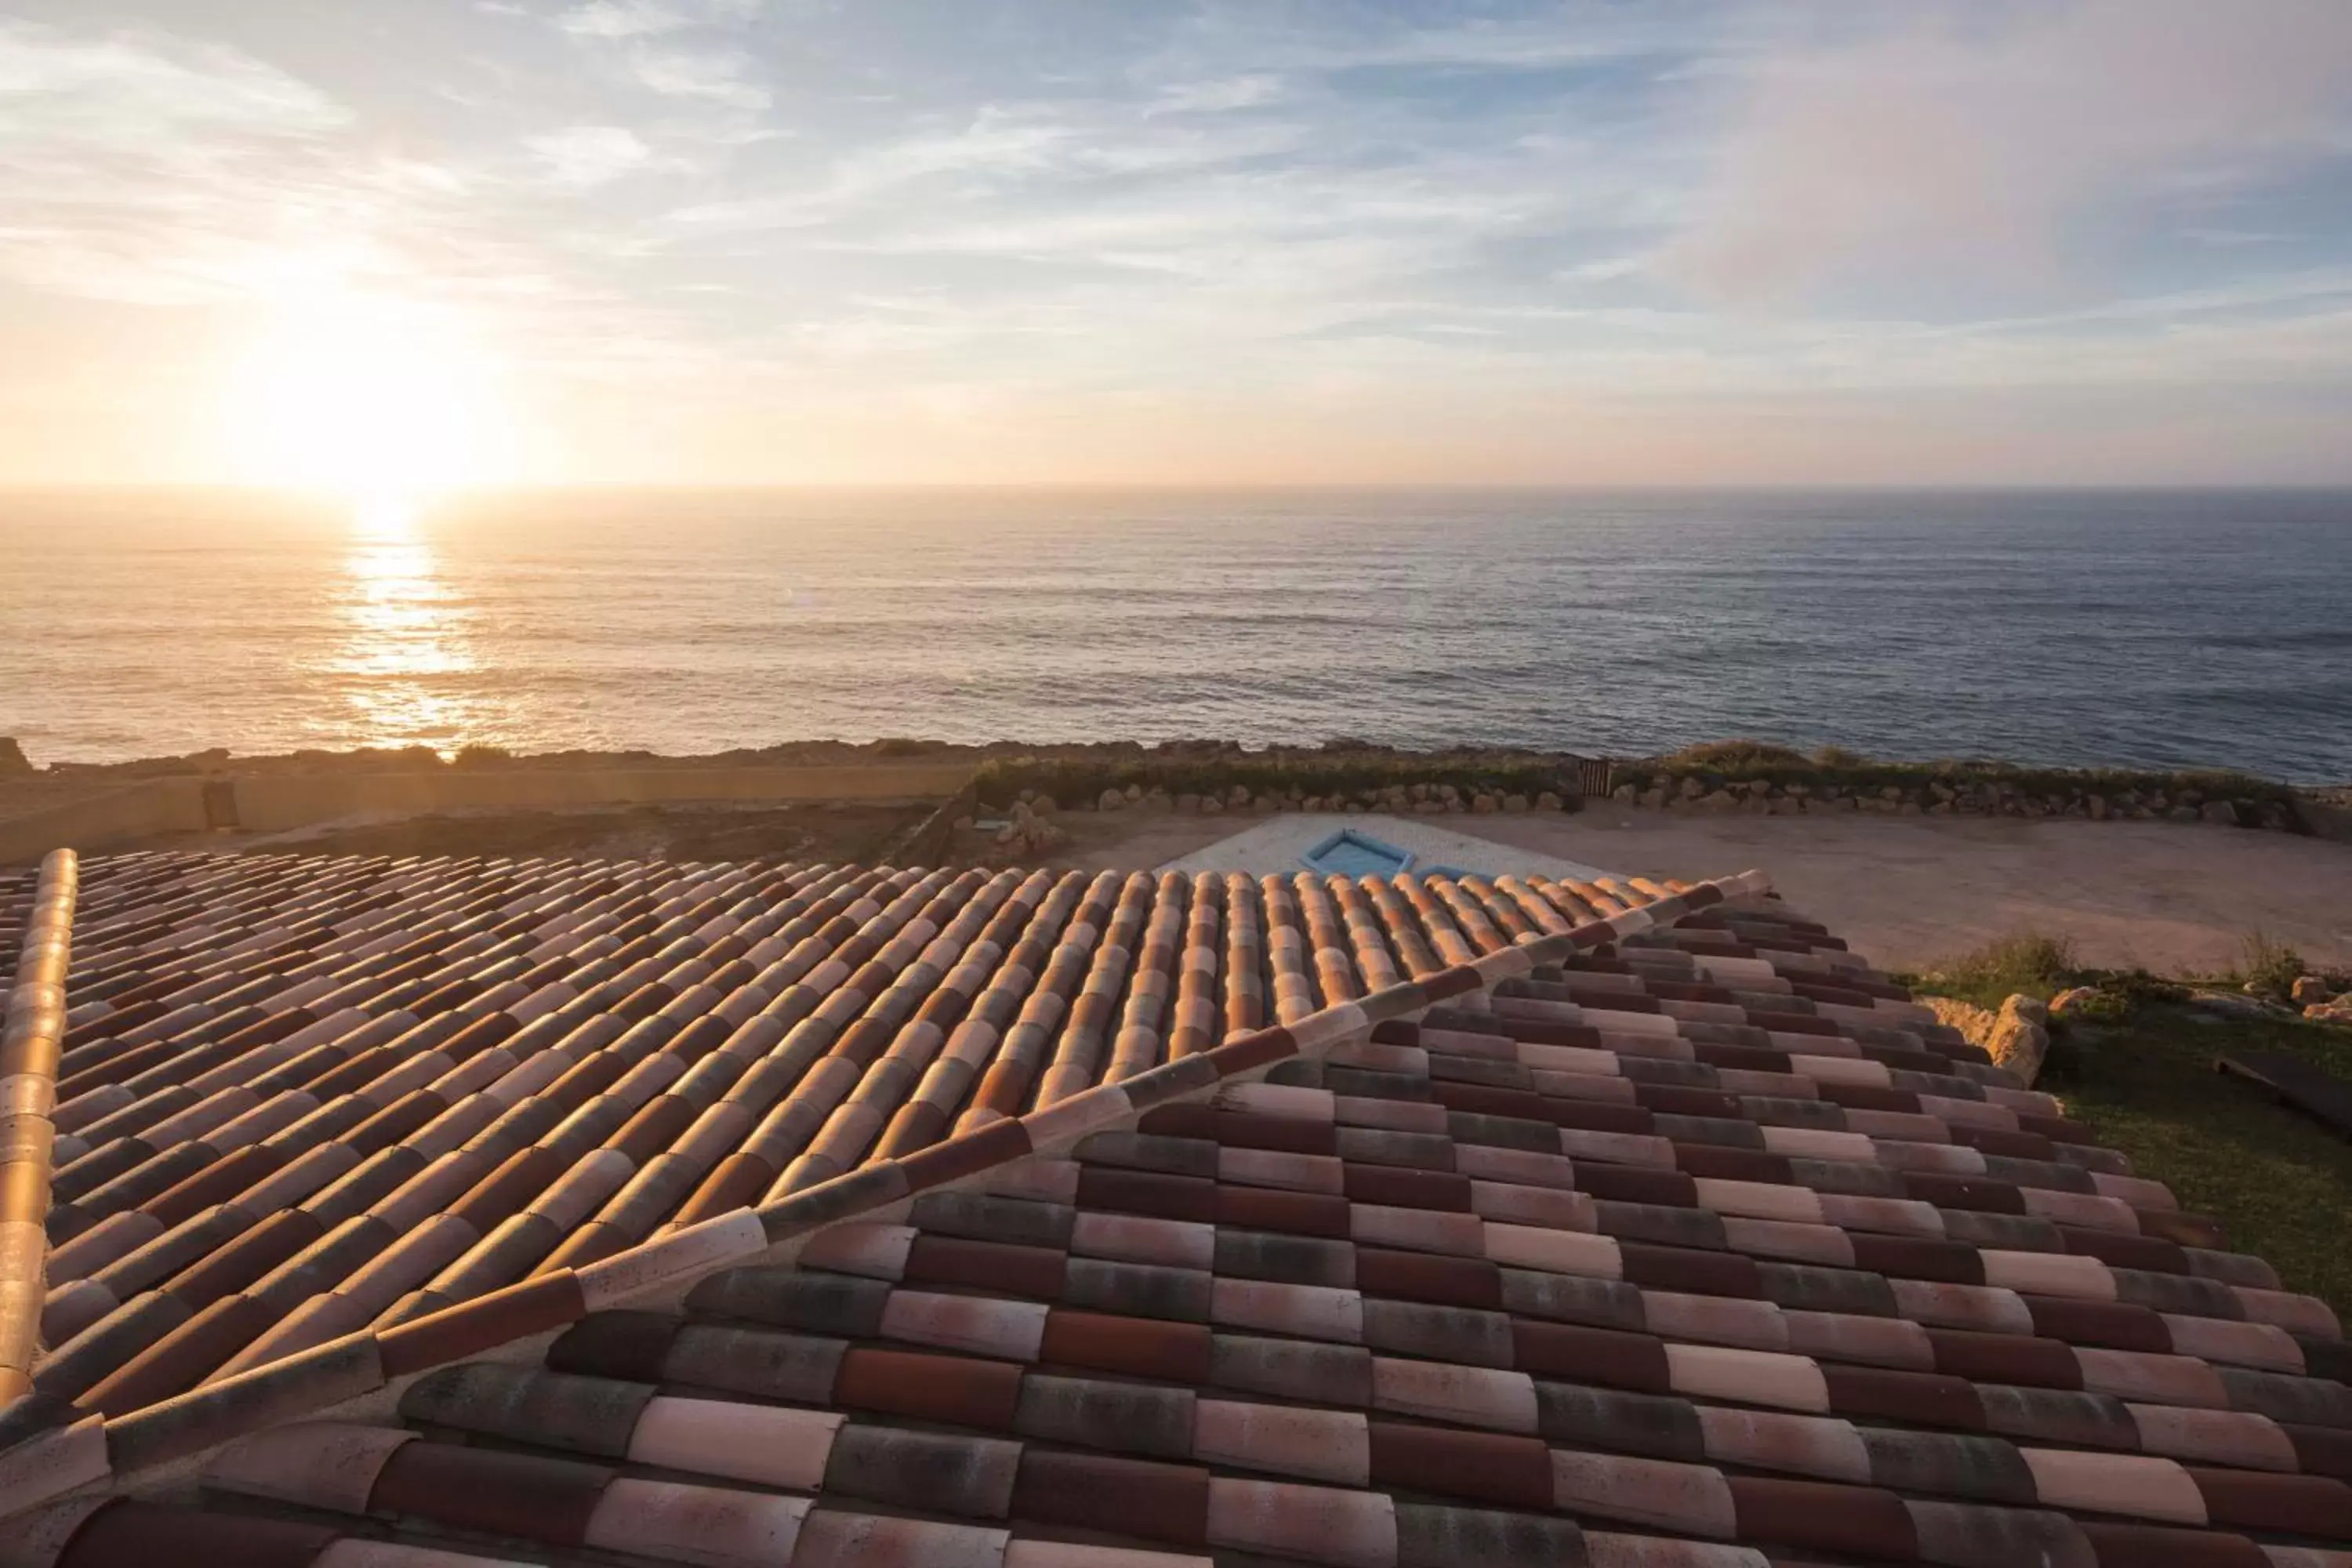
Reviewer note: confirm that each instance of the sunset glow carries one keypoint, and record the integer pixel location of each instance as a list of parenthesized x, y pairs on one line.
[(366, 399), (1493, 242)]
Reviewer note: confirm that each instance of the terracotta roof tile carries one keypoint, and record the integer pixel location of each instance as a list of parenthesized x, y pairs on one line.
[(1578, 1266)]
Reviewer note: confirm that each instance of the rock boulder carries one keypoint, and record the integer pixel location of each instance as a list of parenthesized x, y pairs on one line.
[(2017, 1037), (2071, 1001)]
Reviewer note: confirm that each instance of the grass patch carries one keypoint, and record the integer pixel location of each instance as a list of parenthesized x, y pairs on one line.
[(2279, 1182), (2031, 964), (1743, 757), (2136, 1065)]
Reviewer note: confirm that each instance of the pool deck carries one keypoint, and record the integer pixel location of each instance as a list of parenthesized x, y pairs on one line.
[(1275, 845)]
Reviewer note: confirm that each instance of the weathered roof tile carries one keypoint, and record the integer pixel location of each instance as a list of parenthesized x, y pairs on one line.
[(1816, 1282)]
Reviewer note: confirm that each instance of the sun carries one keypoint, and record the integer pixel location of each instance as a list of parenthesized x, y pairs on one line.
[(371, 399)]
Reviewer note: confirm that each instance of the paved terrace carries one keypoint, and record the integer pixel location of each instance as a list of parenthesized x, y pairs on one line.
[(1276, 846), (424, 1214)]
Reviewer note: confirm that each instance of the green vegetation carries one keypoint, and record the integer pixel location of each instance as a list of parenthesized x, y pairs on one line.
[(1078, 781), (2030, 963), (2271, 968), (1740, 759), (2279, 1182), (2040, 965), (1833, 767), (2135, 1064)]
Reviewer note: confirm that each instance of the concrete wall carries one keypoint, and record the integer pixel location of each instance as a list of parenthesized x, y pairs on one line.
[(277, 803), (927, 843), (125, 815), (273, 803)]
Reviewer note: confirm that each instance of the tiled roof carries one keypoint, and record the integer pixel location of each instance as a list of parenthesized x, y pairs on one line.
[(36, 925), (1538, 1231), (303, 1096)]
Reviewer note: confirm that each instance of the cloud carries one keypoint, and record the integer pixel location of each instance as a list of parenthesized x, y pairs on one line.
[(584, 156), (1221, 96), (140, 166), (620, 19), (997, 154), (115, 89), (1227, 212), (1967, 147), (715, 76)]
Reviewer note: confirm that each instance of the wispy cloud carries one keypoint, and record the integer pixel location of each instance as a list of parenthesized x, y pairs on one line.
[(584, 155), (144, 169), (126, 83), (1972, 147), (722, 76), (621, 19), (1457, 227), (1221, 96), (140, 166)]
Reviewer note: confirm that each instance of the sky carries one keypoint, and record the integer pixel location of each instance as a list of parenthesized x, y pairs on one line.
[(436, 242)]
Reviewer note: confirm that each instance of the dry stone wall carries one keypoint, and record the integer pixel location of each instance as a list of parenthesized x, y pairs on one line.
[(1701, 793)]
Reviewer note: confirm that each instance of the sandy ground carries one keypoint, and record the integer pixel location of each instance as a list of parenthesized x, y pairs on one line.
[(1910, 891), (1907, 892)]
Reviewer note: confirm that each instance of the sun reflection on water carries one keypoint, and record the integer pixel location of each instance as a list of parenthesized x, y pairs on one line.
[(406, 663)]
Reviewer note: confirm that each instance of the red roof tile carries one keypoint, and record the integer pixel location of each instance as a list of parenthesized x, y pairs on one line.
[(1647, 1245)]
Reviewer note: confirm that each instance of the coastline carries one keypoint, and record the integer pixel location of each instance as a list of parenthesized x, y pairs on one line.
[(280, 792), (1916, 876)]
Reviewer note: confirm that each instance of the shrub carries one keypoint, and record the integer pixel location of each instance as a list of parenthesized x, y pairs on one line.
[(1076, 781), (1734, 755), (2031, 964), (1834, 767), (2271, 968), (2137, 988)]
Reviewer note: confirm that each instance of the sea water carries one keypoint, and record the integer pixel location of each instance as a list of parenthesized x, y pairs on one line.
[(2161, 630)]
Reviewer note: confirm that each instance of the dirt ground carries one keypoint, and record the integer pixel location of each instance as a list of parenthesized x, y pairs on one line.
[(1908, 892), (830, 831)]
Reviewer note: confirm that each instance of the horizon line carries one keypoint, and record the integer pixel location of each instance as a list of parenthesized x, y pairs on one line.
[(464, 492)]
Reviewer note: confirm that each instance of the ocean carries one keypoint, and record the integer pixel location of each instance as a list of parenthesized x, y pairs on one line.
[(2170, 630)]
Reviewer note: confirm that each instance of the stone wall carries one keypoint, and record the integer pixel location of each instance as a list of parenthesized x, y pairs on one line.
[(276, 803), (1699, 793), (1397, 800), (1336, 777)]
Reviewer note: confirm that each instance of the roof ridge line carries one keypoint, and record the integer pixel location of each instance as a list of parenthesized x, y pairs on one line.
[(31, 1043), (49, 1451)]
